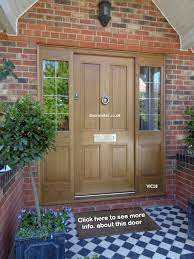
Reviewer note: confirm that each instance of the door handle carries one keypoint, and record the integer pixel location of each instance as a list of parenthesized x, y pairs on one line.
[(76, 96)]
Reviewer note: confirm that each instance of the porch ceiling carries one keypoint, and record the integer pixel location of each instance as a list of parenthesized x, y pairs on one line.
[(10, 11), (179, 13)]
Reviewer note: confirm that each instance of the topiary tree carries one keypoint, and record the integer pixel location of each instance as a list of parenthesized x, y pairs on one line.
[(26, 135)]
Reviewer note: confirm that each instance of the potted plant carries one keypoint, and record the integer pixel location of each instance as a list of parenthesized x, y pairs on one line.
[(190, 138), (26, 135), (47, 242)]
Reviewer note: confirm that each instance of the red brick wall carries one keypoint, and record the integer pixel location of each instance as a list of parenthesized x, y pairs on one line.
[(179, 93), (10, 204), (184, 183), (24, 56), (136, 25)]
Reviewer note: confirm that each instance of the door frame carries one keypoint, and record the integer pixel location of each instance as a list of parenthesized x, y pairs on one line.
[(138, 57)]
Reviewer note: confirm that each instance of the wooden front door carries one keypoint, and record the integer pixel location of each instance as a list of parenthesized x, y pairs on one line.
[(103, 125)]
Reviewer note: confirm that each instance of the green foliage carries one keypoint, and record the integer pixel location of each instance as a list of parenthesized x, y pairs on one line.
[(51, 222), (26, 133), (7, 70), (190, 125)]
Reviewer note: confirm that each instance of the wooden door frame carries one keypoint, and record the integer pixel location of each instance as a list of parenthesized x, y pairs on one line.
[(109, 53)]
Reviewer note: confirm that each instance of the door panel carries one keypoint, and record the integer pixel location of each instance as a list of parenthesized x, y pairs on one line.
[(119, 105), (90, 162), (104, 167), (150, 159), (119, 161), (58, 162), (90, 103)]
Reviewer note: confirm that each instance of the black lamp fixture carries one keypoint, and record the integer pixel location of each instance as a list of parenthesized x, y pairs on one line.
[(104, 12)]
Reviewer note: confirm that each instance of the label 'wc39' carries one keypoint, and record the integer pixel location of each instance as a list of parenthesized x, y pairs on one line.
[(152, 186)]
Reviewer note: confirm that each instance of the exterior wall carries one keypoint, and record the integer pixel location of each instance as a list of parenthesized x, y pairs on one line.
[(136, 25), (184, 183), (24, 56), (179, 91), (10, 204)]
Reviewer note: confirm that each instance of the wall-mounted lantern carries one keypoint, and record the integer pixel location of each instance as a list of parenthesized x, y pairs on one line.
[(104, 12)]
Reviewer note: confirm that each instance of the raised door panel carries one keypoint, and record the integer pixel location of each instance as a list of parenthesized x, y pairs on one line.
[(90, 163), (56, 176), (119, 159), (90, 82), (89, 170), (150, 159), (150, 164), (119, 92), (57, 166)]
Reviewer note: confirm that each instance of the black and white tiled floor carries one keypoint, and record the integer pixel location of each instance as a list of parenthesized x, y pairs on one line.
[(170, 242)]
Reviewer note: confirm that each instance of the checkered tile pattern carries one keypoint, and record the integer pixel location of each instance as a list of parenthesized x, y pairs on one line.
[(170, 242)]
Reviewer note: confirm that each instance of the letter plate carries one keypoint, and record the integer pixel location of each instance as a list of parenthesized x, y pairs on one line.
[(105, 137)]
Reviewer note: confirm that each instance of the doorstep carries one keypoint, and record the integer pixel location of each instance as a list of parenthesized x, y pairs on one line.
[(121, 204)]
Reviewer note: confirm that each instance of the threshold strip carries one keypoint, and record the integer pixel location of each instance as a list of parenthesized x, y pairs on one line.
[(103, 194)]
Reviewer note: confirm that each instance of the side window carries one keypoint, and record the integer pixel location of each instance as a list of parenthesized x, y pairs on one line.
[(150, 98), (56, 92)]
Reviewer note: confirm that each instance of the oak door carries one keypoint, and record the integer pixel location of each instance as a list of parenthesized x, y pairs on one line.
[(103, 125)]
